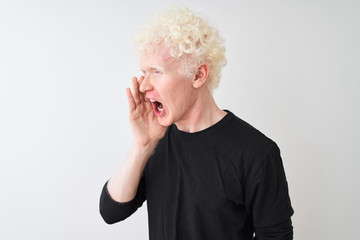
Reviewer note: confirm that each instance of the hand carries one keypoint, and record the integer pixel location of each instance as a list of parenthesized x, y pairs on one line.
[(144, 123)]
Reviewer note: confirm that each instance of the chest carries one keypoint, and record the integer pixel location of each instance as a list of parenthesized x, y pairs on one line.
[(186, 177)]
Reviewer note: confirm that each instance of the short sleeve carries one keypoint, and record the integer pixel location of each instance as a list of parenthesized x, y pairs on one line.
[(113, 211)]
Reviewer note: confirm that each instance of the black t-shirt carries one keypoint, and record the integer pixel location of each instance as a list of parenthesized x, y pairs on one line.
[(224, 182)]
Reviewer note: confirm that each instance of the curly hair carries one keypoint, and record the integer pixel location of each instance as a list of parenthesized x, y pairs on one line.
[(189, 37)]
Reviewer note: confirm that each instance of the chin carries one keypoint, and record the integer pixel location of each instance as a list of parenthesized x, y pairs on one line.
[(165, 121)]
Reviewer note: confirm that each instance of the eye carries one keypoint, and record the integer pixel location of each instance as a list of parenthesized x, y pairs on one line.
[(157, 71)]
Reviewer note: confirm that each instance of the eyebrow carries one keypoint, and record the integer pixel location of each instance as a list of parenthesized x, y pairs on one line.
[(155, 68)]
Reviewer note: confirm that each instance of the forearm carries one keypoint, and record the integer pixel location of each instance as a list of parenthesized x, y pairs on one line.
[(124, 183)]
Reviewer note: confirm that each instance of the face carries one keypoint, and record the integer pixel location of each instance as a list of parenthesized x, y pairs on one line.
[(171, 93)]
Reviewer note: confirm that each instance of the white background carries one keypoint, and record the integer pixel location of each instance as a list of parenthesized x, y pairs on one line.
[(293, 72)]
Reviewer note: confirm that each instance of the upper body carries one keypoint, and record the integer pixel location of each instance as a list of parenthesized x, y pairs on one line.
[(225, 184)]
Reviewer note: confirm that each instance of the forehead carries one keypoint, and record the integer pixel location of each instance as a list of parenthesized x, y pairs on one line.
[(159, 57)]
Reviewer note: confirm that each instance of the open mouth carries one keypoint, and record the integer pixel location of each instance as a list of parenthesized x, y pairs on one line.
[(158, 107)]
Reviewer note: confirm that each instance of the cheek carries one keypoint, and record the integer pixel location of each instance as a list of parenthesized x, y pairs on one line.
[(177, 92), (157, 76)]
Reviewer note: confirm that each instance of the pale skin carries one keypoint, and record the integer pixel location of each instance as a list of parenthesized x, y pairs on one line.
[(147, 131), (187, 102)]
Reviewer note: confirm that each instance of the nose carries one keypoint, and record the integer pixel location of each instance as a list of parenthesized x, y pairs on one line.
[(145, 84)]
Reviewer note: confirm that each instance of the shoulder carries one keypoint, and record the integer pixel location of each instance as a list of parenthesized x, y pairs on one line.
[(245, 148), (241, 135)]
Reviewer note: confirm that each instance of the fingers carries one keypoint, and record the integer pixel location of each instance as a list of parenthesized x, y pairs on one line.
[(136, 91), (135, 97), (142, 95)]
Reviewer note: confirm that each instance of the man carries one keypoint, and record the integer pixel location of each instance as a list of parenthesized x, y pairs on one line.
[(205, 173)]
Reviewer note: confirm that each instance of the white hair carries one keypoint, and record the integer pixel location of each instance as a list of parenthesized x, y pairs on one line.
[(189, 38)]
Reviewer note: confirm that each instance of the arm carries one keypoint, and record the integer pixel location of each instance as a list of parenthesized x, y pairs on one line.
[(268, 199), (124, 184), (281, 231)]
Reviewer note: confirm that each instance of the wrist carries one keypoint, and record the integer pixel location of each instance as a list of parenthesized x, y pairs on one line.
[(144, 149)]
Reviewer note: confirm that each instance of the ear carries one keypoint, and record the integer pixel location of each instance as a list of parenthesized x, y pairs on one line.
[(201, 75)]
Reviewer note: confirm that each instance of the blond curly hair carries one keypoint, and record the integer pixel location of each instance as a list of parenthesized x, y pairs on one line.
[(189, 37)]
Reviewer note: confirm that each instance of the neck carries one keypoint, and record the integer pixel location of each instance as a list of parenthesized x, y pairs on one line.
[(203, 114)]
